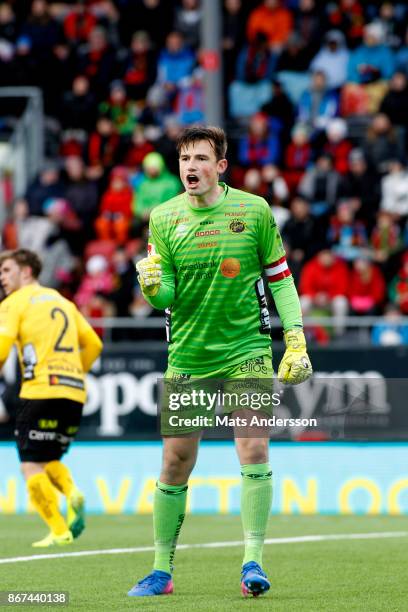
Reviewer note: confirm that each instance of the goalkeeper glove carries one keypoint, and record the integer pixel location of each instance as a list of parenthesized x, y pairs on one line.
[(150, 273), (295, 366)]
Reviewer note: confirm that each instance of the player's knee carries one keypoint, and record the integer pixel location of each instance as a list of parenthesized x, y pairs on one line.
[(252, 450), (177, 467)]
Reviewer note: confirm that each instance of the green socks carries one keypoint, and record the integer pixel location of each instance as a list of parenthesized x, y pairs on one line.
[(256, 502), (168, 516)]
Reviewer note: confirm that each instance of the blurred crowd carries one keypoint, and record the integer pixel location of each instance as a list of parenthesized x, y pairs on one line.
[(315, 99)]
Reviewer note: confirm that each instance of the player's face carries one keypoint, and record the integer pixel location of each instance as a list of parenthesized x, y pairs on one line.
[(199, 168), (11, 276)]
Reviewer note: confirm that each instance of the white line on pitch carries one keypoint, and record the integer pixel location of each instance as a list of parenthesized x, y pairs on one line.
[(142, 549)]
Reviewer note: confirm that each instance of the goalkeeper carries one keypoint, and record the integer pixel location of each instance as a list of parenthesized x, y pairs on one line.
[(208, 248)]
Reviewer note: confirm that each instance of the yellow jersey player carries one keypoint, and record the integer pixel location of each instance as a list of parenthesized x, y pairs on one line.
[(56, 347)]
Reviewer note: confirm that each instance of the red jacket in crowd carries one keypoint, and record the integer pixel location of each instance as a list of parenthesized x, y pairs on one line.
[(330, 280)]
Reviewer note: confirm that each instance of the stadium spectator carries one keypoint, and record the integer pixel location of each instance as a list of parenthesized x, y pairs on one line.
[(233, 35), (165, 145), (78, 106), (337, 144), (301, 236), (189, 102), (346, 235), (281, 109), (137, 149), (115, 211), (323, 286), (395, 102), (175, 62), (187, 22), (125, 284), (156, 186), (385, 237), (390, 331), (254, 70), (273, 20), (103, 147), (63, 215), (120, 109), (78, 24), (394, 189), (261, 144), (401, 56), (295, 56), (309, 26), (347, 16), (320, 185), (277, 193), (317, 104), (366, 288), (298, 155), (8, 23), (97, 60), (97, 280), (42, 30), (392, 20), (372, 60), (362, 186), (41, 235), (153, 16), (81, 193), (47, 185), (139, 66), (332, 59), (398, 289), (382, 143)]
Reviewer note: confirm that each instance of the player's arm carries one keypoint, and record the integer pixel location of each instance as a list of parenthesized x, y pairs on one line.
[(156, 273), (295, 366), (89, 342), (9, 323)]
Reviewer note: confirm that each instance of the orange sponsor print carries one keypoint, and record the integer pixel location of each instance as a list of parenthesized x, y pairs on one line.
[(230, 267)]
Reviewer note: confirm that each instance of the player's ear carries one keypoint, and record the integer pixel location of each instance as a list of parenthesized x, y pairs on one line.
[(222, 165)]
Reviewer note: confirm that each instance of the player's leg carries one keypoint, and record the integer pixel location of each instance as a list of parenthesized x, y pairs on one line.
[(70, 414), (253, 378), (39, 443), (179, 457), (256, 502), (43, 497)]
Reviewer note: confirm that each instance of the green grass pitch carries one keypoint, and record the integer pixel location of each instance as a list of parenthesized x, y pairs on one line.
[(352, 574)]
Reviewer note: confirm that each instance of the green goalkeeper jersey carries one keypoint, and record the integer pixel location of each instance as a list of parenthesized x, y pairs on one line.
[(212, 261)]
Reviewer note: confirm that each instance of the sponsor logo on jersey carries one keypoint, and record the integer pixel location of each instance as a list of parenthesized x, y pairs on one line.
[(201, 234), (236, 213), (180, 220), (230, 267), (207, 222), (66, 381), (181, 229), (198, 271), (255, 365), (236, 226), (206, 245)]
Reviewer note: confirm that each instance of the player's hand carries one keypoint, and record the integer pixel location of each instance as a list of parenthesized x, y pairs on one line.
[(150, 272), (295, 366)]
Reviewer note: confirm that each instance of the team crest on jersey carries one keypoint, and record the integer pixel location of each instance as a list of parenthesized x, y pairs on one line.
[(237, 226)]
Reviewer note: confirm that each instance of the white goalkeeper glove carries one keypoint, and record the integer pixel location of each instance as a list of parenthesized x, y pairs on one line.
[(150, 272), (295, 366)]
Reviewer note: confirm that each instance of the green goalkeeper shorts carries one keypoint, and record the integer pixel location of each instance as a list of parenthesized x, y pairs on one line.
[(189, 404)]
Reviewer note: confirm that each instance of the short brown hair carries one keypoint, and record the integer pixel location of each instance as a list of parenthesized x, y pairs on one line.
[(24, 257), (214, 135)]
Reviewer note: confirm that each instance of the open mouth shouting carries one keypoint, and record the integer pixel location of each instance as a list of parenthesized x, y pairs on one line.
[(192, 181)]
